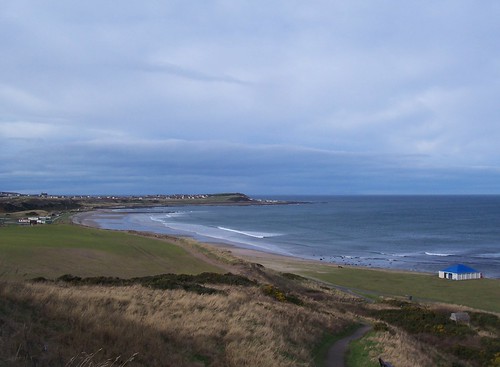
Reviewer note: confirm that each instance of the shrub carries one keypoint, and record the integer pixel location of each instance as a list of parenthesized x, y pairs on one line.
[(293, 276), (486, 321), (190, 283), (279, 295), (380, 326), (416, 319)]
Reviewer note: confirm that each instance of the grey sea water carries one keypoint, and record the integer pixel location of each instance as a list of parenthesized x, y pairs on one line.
[(418, 233)]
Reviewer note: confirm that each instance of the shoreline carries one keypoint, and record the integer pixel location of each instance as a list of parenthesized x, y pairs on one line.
[(270, 259)]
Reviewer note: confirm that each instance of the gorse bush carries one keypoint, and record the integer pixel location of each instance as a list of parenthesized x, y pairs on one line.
[(486, 321), (280, 295), (380, 326), (416, 319), (187, 282)]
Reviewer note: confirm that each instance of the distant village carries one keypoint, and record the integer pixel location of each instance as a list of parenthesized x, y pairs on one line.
[(106, 197)]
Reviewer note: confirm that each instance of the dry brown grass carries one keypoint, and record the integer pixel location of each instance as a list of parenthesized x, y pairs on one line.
[(56, 324), (51, 324), (402, 350)]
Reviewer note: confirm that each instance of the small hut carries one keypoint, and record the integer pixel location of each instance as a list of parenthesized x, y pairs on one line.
[(460, 272), (460, 317)]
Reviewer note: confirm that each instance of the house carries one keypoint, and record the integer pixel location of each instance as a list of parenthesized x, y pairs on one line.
[(459, 272), (33, 220)]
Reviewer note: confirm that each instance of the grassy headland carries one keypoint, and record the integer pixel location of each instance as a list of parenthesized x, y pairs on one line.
[(27, 203)]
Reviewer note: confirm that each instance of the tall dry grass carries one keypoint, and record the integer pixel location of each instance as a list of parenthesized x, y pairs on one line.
[(48, 324), (403, 350)]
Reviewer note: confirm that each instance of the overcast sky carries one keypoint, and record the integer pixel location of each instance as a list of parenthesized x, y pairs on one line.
[(261, 97)]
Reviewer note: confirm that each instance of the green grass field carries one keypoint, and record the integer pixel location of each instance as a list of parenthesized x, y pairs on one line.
[(482, 293), (54, 250)]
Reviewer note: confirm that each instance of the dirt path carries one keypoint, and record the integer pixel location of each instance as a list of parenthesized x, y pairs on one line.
[(336, 354)]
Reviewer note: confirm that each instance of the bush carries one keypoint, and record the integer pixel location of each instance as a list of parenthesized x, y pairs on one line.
[(415, 319), (279, 295), (380, 326), (292, 276), (486, 321), (190, 283)]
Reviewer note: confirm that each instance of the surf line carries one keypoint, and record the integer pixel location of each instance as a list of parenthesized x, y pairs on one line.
[(437, 254), (243, 233)]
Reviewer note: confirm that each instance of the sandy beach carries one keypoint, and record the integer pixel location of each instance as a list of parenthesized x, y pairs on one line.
[(87, 218)]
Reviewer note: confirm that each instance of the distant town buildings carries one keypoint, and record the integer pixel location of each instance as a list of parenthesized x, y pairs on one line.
[(35, 220), (109, 197)]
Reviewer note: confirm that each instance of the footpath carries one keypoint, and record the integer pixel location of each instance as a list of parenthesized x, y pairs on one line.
[(337, 352)]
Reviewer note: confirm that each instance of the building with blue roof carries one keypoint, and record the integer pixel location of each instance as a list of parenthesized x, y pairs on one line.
[(460, 272)]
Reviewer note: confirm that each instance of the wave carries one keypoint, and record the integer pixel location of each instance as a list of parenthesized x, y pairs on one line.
[(167, 215), (495, 255), (249, 234), (393, 254), (437, 254)]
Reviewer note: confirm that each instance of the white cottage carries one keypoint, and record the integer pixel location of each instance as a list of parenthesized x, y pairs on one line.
[(460, 272)]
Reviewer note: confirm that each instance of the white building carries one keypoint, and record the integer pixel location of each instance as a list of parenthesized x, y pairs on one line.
[(460, 272)]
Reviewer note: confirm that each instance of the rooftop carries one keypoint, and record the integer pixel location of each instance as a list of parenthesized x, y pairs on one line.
[(460, 269)]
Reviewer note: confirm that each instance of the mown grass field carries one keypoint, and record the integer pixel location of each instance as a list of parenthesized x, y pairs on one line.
[(482, 294), (54, 250)]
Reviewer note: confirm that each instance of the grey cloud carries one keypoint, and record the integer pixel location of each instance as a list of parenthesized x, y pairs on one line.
[(285, 94), (182, 72), (175, 166)]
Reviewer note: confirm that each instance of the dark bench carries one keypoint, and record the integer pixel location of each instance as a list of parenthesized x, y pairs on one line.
[(384, 364)]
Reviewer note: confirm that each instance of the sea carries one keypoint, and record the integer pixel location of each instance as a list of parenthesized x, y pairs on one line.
[(415, 233)]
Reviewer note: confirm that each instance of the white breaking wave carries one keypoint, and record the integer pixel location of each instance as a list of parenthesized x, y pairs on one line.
[(250, 234), (437, 254), (165, 216)]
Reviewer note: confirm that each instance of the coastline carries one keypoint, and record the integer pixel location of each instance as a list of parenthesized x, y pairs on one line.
[(265, 257), (86, 219), (362, 281)]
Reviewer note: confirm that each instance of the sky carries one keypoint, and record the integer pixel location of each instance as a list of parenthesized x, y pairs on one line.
[(259, 97)]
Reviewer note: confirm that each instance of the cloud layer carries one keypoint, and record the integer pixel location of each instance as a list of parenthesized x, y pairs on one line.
[(288, 97)]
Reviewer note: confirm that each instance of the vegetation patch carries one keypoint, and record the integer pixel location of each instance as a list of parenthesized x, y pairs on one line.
[(49, 323), (416, 319), (482, 294), (187, 282), (435, 327), (293, 276), (486, 321), (320, 351), (281, 296), (359, 353), (34, 203)]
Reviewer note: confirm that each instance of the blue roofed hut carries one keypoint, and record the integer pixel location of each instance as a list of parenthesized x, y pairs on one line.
[(460, 272)]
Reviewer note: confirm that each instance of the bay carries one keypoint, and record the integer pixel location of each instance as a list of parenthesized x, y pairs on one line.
[(417, 233)]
